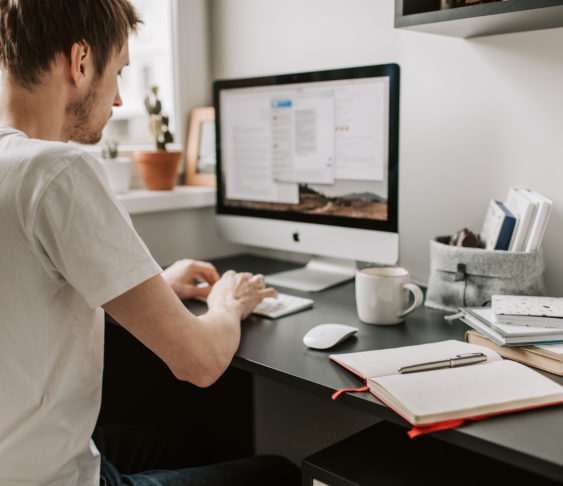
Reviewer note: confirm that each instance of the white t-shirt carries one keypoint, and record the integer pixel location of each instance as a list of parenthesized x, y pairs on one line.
[(66, 248)]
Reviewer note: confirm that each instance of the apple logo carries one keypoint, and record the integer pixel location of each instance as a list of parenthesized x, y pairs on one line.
[(296, 236)]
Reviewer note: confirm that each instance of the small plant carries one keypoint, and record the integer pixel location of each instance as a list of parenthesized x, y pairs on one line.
[(158, 123), (109, 149)]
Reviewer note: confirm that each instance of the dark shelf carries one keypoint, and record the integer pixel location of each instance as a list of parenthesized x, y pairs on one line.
[(383, 454), (479, 20)]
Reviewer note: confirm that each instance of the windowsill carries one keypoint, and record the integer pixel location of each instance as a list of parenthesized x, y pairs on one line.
[(127, 149), (141, 201)]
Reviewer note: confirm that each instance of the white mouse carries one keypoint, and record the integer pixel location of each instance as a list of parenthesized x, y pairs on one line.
[(325, 336)]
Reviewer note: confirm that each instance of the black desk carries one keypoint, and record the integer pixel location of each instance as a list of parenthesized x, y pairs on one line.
[(531, 440)]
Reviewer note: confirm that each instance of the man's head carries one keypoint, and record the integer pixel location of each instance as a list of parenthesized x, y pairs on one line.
[(34, 32), (87, 37)]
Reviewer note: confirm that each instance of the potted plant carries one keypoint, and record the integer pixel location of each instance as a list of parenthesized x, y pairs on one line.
[(117, 168), (159, 168)]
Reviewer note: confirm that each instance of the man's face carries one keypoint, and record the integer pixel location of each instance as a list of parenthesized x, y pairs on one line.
[(89, 115)]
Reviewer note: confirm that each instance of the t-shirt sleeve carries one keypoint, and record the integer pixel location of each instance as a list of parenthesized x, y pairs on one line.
[(87, 236)]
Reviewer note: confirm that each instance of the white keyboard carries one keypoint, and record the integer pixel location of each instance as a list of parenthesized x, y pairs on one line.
[(283, 305)]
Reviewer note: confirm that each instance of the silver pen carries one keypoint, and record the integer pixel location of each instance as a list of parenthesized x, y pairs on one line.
[(458, 360)]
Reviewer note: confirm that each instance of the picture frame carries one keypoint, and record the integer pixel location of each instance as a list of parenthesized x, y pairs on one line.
[(200, 148)]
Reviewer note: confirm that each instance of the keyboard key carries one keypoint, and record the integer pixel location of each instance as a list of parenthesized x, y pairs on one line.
[(283, 305)]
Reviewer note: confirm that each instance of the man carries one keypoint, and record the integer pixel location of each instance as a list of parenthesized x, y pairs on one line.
[(68, 252)]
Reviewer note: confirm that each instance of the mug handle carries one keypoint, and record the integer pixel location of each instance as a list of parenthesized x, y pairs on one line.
[(418, 298)]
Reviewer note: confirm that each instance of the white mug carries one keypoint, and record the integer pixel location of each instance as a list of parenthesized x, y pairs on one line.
[(382, 295)]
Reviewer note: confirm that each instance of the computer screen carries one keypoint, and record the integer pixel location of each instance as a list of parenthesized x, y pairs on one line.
[(308, 162)]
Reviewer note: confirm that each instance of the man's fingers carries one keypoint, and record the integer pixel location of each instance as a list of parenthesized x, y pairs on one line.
[(206, 272), (202, 288), (258, 281), (201, 292), (205, 279), (268, 292)]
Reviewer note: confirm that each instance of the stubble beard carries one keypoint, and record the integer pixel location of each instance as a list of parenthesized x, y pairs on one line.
[(81, 111)]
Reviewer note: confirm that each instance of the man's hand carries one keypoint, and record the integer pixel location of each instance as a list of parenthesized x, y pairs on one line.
[(196, 349), (180, 276), (242, 291)]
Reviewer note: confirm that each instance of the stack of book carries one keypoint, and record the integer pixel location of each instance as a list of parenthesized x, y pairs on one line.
[(518, 224), (524, 328)]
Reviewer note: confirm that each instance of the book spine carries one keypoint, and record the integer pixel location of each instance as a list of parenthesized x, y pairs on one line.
[(530, 321), (507, 229), (528, 208), (539, 224), (537, 359)]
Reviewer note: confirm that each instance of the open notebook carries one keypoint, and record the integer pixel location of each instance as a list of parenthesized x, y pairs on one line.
[(445, 398)]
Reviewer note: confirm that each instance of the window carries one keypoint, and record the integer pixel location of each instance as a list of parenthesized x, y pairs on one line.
[(151, 64)]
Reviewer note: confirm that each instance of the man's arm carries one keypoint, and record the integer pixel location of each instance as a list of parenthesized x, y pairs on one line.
[(196, 349)]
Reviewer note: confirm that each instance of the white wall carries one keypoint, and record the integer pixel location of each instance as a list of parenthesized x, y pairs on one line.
[(477, 116), (191, 60), (186, 233)]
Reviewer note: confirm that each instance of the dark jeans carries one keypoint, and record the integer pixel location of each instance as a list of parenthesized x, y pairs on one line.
[(254, 471)]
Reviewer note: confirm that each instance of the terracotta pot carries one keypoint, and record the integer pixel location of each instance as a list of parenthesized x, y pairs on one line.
[(159, 169)]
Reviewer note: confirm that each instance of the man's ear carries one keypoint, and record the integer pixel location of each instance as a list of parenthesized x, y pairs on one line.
[(80, 62)]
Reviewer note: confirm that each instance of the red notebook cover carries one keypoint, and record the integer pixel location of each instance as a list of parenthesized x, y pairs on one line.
[(427, 428)]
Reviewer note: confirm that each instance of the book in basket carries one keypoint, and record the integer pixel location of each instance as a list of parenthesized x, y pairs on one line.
[(498, 227), (446, 397)]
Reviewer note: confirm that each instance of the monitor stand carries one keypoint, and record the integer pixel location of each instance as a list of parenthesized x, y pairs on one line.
[(319, 274)]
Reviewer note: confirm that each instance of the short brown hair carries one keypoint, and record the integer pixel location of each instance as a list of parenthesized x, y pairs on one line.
[(34, 32)]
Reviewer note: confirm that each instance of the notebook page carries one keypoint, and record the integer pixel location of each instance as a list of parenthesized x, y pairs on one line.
[(466, 391), (554, 348), (512, 330), (382, 362)]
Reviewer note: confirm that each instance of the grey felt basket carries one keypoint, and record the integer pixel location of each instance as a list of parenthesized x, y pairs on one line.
[(465, 277)]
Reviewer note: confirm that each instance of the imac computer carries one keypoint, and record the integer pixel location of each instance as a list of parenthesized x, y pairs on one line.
[(308, 162)]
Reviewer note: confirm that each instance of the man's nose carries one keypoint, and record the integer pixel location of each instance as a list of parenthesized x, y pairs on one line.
[(117, 101)]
